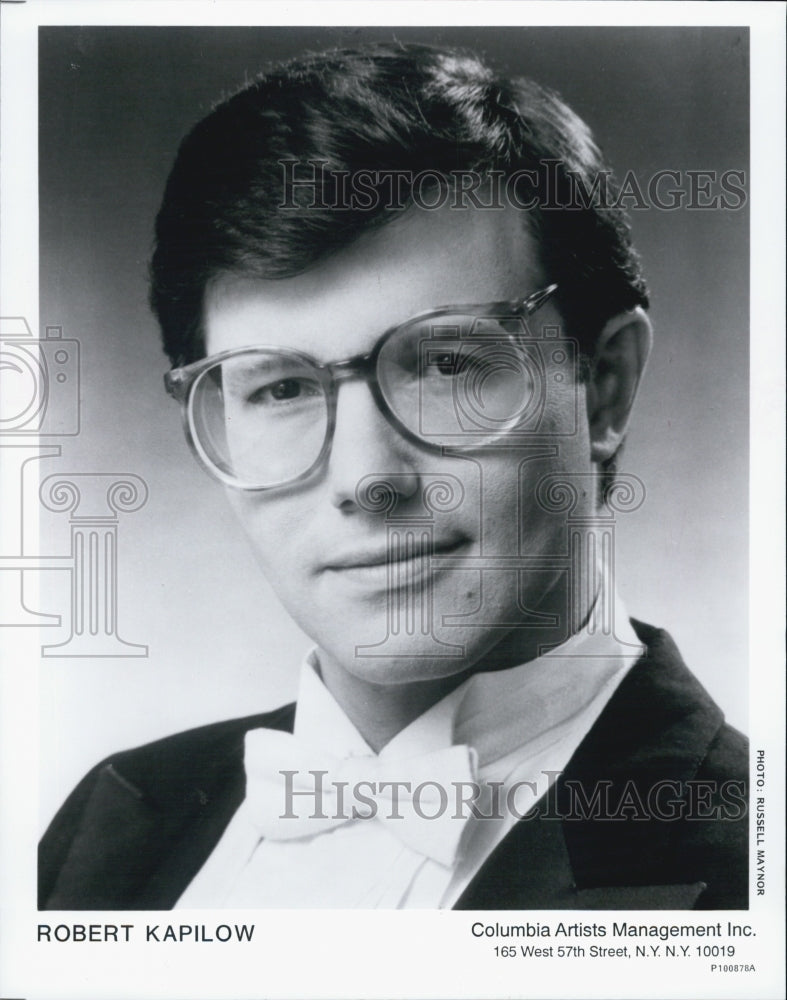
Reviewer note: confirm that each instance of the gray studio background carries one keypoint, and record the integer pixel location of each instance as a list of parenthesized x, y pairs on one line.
[(114, 104)]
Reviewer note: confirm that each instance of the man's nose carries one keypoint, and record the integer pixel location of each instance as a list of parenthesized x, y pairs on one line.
[(367, 450)]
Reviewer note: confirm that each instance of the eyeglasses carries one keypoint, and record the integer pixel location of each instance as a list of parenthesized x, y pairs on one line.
[(459, 376)]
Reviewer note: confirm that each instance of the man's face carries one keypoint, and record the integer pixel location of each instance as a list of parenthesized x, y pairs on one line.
[(377, 609)]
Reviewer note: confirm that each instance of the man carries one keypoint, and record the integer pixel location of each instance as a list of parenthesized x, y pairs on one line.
[(407, 327)]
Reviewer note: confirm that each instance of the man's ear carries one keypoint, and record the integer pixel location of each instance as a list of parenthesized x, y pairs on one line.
[(617, 365)]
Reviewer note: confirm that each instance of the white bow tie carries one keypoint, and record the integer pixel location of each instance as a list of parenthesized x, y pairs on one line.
[(296, 790)]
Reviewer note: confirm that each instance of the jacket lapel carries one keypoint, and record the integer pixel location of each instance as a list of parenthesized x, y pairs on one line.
[(529, 869), (594, 843)]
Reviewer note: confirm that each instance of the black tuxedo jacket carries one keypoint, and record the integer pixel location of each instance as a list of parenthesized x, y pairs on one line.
[(650, 812)]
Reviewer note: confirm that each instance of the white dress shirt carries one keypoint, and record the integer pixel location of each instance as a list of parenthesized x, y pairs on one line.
[(523, 725)]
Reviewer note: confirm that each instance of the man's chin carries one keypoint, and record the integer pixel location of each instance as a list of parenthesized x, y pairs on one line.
[(400, 660)]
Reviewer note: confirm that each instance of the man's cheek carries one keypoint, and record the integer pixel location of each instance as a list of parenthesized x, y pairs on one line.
[(274, 529)]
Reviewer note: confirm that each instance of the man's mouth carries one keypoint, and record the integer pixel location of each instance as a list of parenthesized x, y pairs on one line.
[(403, 559)]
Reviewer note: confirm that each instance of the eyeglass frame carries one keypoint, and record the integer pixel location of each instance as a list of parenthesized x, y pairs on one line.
[(180, 381)]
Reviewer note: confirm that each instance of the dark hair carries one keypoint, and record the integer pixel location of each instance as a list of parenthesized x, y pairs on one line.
[(382, 108)]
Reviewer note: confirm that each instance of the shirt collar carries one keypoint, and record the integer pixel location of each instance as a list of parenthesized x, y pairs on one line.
[(493, 711)]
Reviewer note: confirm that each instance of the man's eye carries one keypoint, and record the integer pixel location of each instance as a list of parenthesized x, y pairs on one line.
[(284, 390), (288, 388), (444, 363)]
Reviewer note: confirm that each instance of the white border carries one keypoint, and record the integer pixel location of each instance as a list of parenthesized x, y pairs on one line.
[(391, 954)]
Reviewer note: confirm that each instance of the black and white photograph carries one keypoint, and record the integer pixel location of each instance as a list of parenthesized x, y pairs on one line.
[(391, 468)]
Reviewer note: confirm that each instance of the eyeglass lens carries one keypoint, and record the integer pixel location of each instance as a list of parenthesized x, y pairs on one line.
[(460, 381), (261, 418)]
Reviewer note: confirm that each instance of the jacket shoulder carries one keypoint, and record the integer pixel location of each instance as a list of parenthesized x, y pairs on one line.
[(149, 791)]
